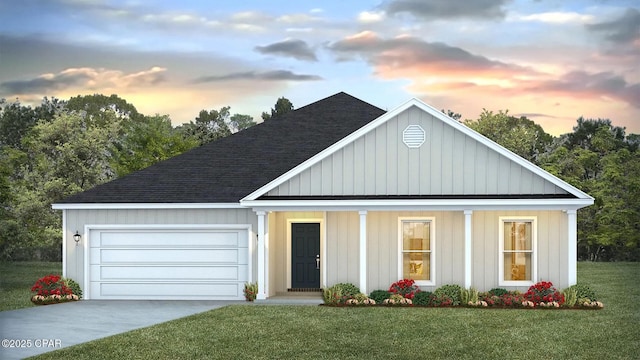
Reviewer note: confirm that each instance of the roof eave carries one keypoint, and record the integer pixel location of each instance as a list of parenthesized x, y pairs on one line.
[(138, 206)]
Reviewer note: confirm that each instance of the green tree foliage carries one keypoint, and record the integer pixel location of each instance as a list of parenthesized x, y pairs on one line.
[(282, 106), (16, 120), (215, 124), (597, 158), (61, 157), (98, 107), (146, 142), (520, 135)]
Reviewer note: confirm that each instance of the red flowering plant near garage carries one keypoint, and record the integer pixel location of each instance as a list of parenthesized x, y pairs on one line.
[(53, 289)]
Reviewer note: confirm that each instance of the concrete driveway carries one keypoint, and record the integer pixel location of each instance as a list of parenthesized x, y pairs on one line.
[(40, 329)]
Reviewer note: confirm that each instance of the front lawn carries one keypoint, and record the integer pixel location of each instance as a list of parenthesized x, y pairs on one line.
[(17, 278), (318, 332)]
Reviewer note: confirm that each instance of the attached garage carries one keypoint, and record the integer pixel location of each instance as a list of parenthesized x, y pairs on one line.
[(167, 262)]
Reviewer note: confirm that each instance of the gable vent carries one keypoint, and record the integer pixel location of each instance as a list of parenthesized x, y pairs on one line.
[(413, 136)]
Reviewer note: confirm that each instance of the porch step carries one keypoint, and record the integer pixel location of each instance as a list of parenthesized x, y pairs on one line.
[(306, 293)]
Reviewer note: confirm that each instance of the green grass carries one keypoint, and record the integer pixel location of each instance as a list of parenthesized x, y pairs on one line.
[(310, 332), (17, 278)]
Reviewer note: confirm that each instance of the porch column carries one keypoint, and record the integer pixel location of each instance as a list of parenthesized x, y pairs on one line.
[(572, 250), (363, 252), (467, 248), (262, 270)]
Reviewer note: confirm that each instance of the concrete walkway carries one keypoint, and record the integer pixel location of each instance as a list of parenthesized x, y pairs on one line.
[(40, 329)]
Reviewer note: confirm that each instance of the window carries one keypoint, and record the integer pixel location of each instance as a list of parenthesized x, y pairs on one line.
[(416, 250), (517, 250)]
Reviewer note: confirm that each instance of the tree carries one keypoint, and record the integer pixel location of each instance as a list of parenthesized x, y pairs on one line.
[(16, 120), (97, 106), (452, 114), (520, 135), (148, 141), (598, 159), (282, 106), (61, 157), (215, 124), (240, 122)]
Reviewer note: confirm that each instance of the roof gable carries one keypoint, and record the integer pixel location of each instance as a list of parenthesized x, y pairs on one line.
[(453, 161), (228, 169)]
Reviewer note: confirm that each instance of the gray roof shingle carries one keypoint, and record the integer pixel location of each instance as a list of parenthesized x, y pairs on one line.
[(230, 168)]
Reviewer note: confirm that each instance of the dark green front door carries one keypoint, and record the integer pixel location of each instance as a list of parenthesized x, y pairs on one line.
[(305, 255)]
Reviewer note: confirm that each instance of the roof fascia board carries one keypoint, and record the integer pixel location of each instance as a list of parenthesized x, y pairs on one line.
[(445, 204), (135, 206), (438, 114)]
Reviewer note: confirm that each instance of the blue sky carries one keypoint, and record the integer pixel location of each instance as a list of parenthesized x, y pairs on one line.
[(551, 60)]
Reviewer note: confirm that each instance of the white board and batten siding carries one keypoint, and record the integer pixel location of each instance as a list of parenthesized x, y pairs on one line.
[(161, 253), (448, 162)]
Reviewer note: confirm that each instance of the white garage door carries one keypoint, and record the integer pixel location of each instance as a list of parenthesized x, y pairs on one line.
[(186, 264)]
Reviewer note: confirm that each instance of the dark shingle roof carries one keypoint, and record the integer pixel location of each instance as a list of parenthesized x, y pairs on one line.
[(228, 169)]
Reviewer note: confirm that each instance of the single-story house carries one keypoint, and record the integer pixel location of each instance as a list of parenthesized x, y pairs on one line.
[(335, 191)]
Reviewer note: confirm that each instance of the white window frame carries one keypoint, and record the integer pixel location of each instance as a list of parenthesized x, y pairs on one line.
[(534, 250), (432, 247)]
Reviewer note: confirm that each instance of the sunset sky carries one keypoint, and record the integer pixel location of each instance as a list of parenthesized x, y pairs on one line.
[(550, 60)]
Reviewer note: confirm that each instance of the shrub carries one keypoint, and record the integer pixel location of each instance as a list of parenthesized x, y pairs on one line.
[(584, 292), (397, 299), (379, 295), (423, 298), (347, 289), (570, 297), (250, 291), (407, 288), (543, 292), (52, 289), (339, 293), (74, 286), (451, 291), (498, 291), (468, 296), (440, 300), (331, 296)]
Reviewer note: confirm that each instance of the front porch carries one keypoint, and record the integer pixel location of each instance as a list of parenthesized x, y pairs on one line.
[(366, 248)]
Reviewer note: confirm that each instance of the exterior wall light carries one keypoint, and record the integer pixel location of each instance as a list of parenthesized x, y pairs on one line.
[(77, 237)]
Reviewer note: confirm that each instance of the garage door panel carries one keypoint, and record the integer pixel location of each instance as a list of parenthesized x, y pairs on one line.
[(167, 263), (168, 290), (170, 272), (141, 256), (168, 238)]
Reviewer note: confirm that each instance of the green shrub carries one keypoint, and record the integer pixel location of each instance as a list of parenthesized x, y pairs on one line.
[(451, 291), (584, 292), (440, 300), (498, 291), (468, 295), (331, 296), (347, 289), (339, 293), (422, 298), (570, 297), (379, 295), (74, 286)]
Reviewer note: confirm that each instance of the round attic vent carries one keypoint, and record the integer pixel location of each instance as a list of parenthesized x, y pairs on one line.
[(413, 136)]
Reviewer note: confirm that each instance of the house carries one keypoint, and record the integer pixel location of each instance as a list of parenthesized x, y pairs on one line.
[(335, 191)]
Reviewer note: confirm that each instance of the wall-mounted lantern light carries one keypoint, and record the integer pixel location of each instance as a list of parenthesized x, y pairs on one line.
[(77, 237)]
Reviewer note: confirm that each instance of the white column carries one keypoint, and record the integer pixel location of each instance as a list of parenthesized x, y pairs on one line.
[(363, 252), (262, 276), (572, 250), (64, 246), (467, 248)]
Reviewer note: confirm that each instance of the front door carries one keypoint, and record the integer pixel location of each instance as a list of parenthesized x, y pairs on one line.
[(305, 255)]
